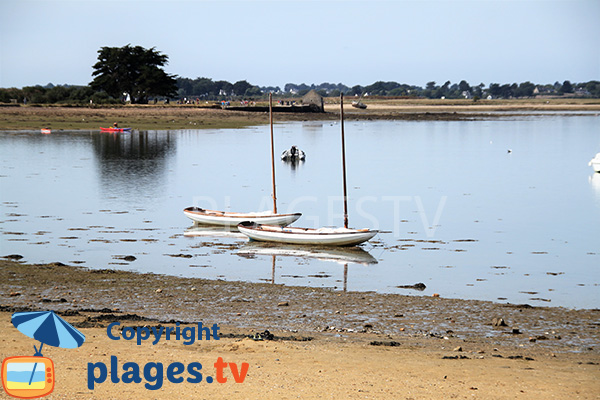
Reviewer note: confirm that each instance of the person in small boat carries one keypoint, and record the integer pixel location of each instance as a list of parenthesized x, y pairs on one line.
[(116, 125), (293, 154)]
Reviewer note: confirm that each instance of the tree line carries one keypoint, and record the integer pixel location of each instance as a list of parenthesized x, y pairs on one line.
[(135, 74), (452, 91)]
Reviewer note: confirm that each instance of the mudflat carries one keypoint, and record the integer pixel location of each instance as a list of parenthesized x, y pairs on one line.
[(325, 344), (211, 116)]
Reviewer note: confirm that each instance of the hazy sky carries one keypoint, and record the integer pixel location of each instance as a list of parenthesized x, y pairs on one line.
[(271, 43)]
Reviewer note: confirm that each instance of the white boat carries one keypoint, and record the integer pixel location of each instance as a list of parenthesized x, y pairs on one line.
[(304, 236), (595, 163), (232, 219)]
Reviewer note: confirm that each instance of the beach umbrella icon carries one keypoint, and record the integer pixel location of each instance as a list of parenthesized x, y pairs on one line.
[(48, 328)]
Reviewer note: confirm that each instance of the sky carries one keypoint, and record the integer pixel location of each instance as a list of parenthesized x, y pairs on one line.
[(271, 43)]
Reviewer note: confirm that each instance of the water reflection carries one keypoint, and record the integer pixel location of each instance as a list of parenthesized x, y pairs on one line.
[(213, 231), (312, 126), (293, 165), (339, 255), (132, 162), (595, 183)]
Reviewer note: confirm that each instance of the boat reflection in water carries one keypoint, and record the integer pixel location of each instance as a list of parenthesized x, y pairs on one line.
[(595, 183), (340, 255), (214, 231)]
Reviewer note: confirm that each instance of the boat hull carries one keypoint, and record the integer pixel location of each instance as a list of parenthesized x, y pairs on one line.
[(306, 236), (115, 129), (220, 218)]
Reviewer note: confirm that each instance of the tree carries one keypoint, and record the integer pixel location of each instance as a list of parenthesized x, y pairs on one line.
[(463, 86), (494, 90), (442, 91), (132, 70), (506, 91), (253, 91), (478, 90), (356, 90), (593, 87), (566, 87), (526, 89), (224, 87), (240, 87)]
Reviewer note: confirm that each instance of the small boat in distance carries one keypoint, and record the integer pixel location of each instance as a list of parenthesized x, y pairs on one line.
[(115, 129), (595, 163), (46, 131), (359, 104), (232, 219), (293, 235), (293, 154)]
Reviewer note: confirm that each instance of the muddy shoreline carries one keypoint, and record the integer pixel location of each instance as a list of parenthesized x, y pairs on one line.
[(148, 117), (349, 345), (301, 310)]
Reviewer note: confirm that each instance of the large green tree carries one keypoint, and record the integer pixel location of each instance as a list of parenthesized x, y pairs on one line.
[(132, 70)]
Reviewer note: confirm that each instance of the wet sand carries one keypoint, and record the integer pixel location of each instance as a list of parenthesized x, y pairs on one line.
[(326, 343)]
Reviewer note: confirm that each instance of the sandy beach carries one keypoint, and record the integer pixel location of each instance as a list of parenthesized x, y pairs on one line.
[(325, 343)]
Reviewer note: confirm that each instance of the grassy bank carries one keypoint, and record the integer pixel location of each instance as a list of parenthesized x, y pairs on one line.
[(162, 117)]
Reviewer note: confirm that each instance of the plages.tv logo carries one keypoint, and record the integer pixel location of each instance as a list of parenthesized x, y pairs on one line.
[(30, 377)]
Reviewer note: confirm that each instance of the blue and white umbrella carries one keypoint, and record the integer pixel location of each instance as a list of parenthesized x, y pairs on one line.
[(48, 328)]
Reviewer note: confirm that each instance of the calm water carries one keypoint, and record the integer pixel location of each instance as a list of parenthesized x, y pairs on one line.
[(457, 210)]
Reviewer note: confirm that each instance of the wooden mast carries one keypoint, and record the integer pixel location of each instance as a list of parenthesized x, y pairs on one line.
[(344, 160), (272, 152)]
